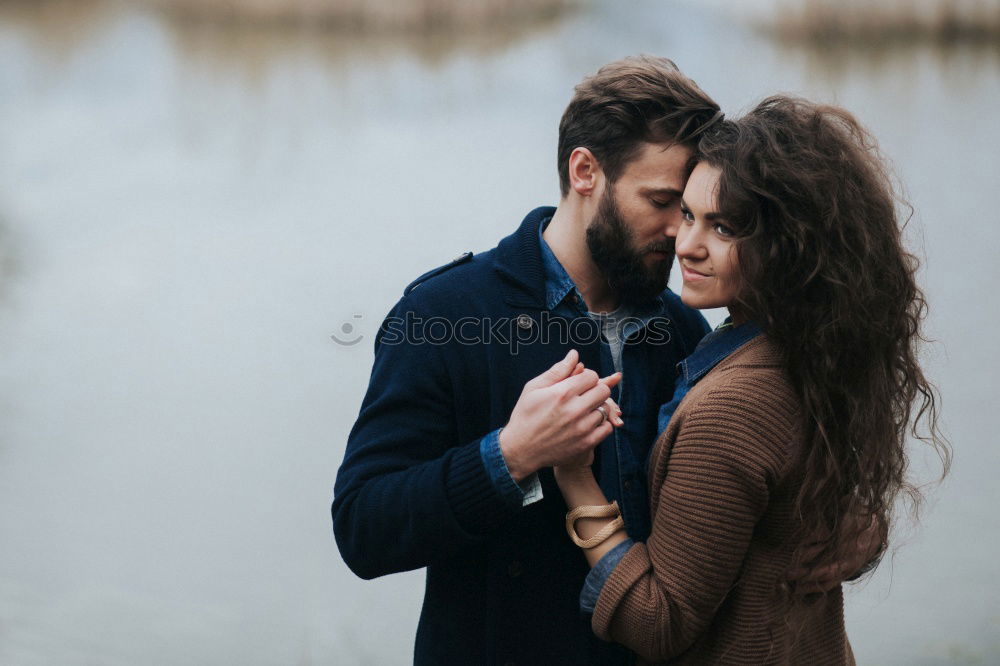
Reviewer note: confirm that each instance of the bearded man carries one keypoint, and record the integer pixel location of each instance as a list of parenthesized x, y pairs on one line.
[(476, 390)]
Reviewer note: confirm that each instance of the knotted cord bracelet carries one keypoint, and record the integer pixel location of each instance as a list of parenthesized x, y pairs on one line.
[(605, 511)]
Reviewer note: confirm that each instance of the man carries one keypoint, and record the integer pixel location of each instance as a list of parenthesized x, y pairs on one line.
[(429, 480), (476, 391)]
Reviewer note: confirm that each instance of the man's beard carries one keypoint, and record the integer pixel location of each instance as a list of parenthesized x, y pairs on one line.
[(621, 264)]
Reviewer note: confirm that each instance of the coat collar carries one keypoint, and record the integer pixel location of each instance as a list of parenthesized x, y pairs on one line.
[(519, 262)]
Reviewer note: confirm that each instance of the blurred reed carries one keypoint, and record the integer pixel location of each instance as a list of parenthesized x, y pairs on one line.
[(876, 21), (367, 14)]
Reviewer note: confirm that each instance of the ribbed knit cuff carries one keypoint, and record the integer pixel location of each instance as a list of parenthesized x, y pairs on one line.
[(474, 499), (633, 565)]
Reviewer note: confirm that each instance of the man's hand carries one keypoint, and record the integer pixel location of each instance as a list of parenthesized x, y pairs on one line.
[(586, 459), (869, 544), (556, 417)]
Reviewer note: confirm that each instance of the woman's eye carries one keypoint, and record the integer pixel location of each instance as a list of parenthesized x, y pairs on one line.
[(687, 215), (723, 230)]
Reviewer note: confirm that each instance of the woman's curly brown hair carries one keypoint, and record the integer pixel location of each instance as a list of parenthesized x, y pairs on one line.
[(826, 275)]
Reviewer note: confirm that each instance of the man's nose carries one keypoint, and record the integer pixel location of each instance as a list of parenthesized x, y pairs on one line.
[(673, 225)]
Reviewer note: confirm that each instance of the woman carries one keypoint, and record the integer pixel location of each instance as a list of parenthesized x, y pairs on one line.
[(789, 420)]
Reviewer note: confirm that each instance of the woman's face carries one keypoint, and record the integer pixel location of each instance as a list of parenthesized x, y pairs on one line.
[(705, 247)]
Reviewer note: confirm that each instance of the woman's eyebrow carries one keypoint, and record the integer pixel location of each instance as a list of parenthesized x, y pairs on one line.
[(710, 217)]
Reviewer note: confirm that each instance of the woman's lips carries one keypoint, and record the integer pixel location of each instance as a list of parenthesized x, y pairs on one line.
[(691, 275)]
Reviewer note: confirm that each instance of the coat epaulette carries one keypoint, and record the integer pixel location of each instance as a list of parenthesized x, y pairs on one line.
[(460, 259)]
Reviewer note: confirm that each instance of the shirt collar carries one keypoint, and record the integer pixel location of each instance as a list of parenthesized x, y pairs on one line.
[(558, 284), (716, 346)]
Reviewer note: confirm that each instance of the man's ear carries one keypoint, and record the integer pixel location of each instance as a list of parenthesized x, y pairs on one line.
[(585, 172)]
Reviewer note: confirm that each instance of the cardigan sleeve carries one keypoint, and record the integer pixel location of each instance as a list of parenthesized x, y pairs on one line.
[(408, 492), (727, 455)]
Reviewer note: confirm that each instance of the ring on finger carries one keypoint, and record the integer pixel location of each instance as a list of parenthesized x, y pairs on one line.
[(604, 413)]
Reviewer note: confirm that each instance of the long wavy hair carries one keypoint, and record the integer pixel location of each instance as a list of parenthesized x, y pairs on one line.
[(826, 275)]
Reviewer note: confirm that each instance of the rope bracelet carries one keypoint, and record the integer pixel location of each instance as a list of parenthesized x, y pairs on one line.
[(605, 511)]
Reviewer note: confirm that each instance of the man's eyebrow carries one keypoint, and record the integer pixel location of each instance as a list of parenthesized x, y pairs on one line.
[(663, 190)]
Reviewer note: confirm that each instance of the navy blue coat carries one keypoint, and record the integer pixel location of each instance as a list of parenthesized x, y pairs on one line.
[(451, 358)]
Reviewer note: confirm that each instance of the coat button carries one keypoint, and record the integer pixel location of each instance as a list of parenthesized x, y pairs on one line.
[(515, 569), (524, 321), (628, 485)]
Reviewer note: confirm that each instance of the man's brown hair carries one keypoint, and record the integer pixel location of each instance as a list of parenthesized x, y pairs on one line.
[(640, 99)]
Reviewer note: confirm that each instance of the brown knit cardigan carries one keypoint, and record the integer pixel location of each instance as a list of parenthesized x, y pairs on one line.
[(723, 479)]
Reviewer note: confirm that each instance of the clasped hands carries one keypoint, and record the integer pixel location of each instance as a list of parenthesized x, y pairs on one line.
[(556, 421)]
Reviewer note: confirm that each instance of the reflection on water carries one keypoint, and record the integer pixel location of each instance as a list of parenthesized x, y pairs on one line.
[(194, 207), (61, 26), (253, 46), (889, 21), (368, 15), (58, 26), (840, 61)]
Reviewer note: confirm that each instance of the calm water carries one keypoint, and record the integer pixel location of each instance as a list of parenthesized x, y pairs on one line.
[(188, 212)]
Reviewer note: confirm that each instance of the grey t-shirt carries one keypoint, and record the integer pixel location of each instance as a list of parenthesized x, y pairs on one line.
[(611, 326)]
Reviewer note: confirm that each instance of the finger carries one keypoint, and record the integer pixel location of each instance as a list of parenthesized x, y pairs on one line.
[(578, 384), (590, 400), (599, 434), (614, 405), (591, 421), (578, 369), (614, 414), (612, 380), (557, 372)]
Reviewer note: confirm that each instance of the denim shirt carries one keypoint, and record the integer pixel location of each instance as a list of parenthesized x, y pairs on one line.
[(712, 349), (619, 460)]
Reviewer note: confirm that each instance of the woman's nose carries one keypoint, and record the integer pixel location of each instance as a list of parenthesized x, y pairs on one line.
[(689, 243)]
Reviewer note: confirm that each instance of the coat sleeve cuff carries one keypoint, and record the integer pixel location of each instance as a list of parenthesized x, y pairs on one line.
[(527, 492), (474, 499)]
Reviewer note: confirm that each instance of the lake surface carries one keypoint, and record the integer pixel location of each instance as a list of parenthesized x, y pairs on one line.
[(189, 211)]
